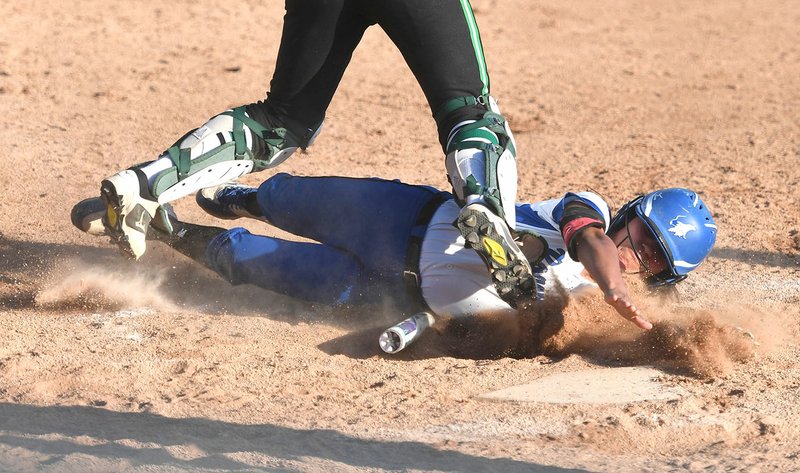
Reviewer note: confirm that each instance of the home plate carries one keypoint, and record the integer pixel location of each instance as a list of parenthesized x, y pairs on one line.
[(600, 386)]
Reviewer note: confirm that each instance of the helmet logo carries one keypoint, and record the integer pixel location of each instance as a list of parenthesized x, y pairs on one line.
[(680, 229)]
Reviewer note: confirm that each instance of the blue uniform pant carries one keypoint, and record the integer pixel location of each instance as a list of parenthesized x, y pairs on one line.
[(362, 229)]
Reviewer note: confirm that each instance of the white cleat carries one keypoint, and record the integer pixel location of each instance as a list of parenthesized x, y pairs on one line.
[(128, 214)]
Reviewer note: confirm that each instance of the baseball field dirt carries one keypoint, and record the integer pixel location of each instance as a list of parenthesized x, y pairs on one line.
[(157, 365)]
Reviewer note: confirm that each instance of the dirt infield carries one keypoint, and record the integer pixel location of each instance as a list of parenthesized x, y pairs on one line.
[(158, 366)]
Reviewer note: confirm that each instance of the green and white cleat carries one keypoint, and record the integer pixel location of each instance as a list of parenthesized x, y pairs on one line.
[(489, 235), (88, 214), (128, 213)]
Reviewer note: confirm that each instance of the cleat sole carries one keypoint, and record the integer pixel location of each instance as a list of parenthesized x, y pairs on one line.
[(511, 272)]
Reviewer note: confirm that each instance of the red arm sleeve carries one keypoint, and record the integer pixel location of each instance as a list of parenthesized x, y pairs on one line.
[(576, 217)]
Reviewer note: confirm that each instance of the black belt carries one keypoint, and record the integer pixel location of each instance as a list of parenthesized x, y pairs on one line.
[(411, 276)]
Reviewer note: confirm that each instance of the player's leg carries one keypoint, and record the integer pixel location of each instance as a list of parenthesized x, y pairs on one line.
[(376, 222), (316, 46), (321, 208), (308, 271), (442, 45), (373, 219)]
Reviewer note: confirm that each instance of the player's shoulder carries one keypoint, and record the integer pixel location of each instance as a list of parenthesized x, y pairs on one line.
[(588, 197)]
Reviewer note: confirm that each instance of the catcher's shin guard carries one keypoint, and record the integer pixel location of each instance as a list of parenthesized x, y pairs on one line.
[(481, 161), (226, 147)]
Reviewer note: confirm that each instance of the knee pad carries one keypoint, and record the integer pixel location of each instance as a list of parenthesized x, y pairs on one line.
[(481, 162), (226, 147)]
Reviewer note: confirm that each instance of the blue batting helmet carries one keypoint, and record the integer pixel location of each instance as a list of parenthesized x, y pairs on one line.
[(682, 225)]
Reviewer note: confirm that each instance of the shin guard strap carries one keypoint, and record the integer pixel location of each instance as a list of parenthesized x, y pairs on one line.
[(239, 121), (489, 135), (459, 102), (276, 139), (182, 159)]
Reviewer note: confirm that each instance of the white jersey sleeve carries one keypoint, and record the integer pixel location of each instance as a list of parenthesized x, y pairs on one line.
[(542, 218)]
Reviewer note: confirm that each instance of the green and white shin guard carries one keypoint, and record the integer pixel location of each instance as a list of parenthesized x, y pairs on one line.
[(481, 160), (481, 166), (225, 148)]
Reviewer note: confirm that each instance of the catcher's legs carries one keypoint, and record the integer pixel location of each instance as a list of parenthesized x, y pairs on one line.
[(441, 43)]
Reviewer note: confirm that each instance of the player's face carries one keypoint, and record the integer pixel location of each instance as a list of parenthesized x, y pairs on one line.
[(639, 252)]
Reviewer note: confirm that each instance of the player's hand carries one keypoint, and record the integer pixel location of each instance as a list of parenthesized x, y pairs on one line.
[(622, 304)]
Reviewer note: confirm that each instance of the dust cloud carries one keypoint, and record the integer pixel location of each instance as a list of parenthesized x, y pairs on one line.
[(76, 285), (704, 343)]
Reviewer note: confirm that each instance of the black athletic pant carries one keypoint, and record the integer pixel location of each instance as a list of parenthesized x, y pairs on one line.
[(438, 39)]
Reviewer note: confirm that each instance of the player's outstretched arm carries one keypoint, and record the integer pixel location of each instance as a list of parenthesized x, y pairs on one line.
[(599, 256)]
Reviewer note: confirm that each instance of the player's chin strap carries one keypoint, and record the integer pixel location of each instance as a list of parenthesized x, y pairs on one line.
[(664, 280), (226, 147), (664, 286), (481, 157)]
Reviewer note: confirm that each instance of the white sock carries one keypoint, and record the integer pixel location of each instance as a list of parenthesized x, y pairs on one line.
[(152, 169)]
